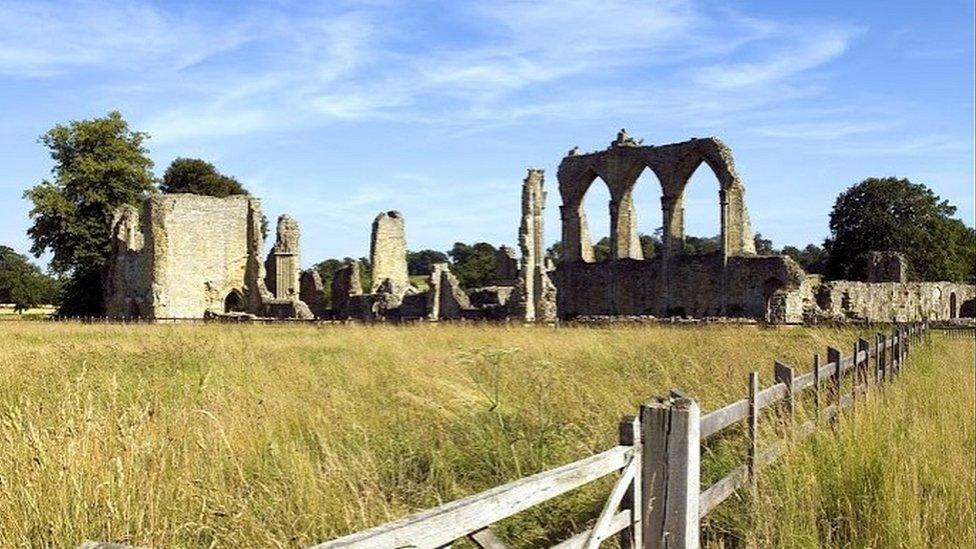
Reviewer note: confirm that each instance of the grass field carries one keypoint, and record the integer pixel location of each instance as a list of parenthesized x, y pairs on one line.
[(286, 435)]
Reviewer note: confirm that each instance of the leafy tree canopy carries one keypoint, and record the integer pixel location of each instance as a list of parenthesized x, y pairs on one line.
[(192, 175), (99, 165), (327, 270), (421, 262), (764, 246), (22, 283), (473, 264), (898, 215), (811, 258)]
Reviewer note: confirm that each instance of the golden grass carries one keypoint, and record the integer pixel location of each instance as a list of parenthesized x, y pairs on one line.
[(205, 435), (900, 471)]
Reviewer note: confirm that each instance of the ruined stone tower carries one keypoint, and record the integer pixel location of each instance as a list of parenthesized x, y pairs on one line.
[(282, 265), (388, 253), (536, 294)]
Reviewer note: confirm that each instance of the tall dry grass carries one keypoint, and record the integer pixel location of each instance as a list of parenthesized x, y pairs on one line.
[(900, 471), (211, 435)]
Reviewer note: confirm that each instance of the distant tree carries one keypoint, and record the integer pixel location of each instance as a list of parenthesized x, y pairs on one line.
[(192, 175), (421, 262), (23, 283), (601, 249), (474, 265), (651, 243), (327, 270), (702, 244), (99, 165), (764, 246), (811, 258), (898, 215)]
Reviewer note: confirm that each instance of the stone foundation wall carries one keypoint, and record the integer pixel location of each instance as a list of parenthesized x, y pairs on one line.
[(893, 301), (697, 287)]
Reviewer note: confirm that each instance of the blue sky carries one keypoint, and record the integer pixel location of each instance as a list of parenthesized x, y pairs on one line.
[(335, 111)]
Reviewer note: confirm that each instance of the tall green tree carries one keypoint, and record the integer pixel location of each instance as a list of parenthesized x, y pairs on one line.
[(898, 215), (99, 165), (23, 283), (192, 175)]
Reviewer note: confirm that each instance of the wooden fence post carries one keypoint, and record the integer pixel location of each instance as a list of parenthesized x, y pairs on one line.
[(863, 370), (751, 459), (833, 357), (670, 473), (783, 373), (630, 537), (816, 387), (877, 358), (894, 353), (882, 352)]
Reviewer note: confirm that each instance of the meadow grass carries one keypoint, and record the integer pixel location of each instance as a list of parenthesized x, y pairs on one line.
[(237, 435), (900, 470)]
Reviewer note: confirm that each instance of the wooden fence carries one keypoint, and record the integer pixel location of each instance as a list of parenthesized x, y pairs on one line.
[(657, 500)]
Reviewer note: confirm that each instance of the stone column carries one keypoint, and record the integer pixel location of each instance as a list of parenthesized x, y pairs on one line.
[(624, 240), (536, 295), (576, 234), (283, 260), (388, 252)]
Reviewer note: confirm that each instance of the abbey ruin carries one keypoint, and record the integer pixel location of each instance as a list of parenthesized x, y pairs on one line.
[(188, 256)]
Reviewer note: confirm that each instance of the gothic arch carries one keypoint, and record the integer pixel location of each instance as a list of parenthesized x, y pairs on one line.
[(577, 244)]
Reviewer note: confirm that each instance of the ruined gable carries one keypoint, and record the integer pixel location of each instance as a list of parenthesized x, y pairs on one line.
[(181, 255)]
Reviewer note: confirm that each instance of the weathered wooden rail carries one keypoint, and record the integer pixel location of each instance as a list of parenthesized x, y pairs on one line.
[(657, 500)]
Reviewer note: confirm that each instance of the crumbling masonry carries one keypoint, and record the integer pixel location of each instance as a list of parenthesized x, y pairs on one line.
[(188, 256), (734, 281)]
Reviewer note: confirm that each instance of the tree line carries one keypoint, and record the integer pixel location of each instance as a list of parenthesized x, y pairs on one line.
[(100, 164)]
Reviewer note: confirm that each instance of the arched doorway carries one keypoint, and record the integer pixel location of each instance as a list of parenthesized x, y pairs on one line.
[(234, 302)]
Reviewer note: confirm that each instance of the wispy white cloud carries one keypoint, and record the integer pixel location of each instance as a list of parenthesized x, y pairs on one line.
[(47, 38), (229, 74), (806, 49)]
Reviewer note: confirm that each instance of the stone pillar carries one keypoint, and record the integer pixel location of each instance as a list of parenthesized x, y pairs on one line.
[(739, 238), (282, 264), (445, 298), (624, 240), (388, 252), (576, 234), (345, 284), (673, 225), (536, 294)]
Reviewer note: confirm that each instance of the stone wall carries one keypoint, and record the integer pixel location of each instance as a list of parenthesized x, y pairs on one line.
[(181, 255), (893, 301), (698, 286)]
